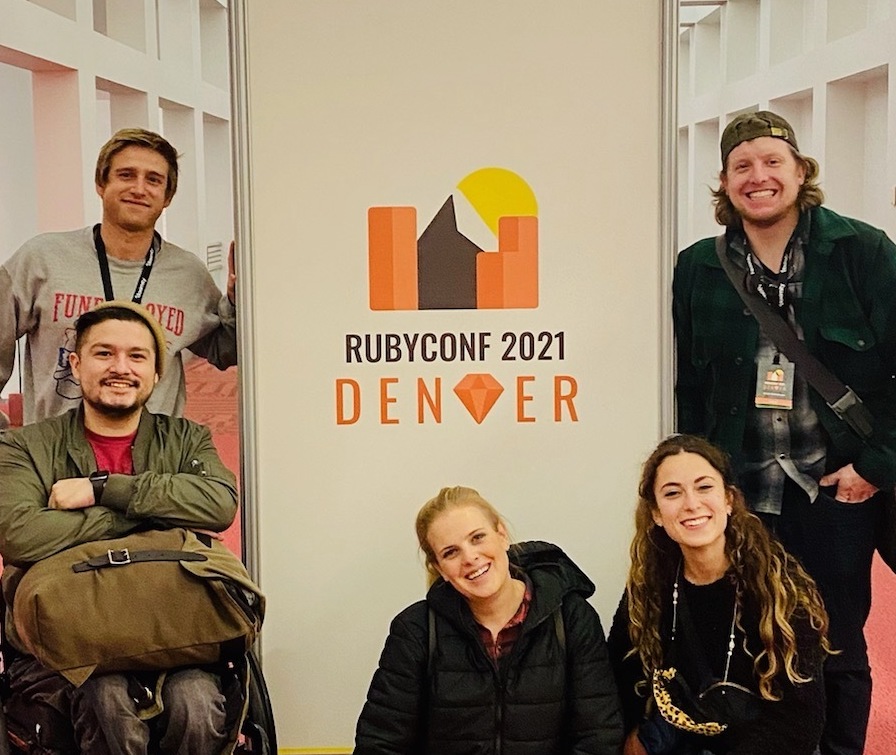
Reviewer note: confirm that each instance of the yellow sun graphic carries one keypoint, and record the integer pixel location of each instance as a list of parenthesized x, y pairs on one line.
[(496, 193)]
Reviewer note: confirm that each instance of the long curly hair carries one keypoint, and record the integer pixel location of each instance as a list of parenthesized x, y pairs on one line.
[(760, 567), (810, 193)]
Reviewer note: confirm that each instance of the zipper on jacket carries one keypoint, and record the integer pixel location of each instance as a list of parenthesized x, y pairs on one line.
[(501, 678)]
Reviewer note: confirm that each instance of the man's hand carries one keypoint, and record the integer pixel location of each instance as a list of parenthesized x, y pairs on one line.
[(231, 273), (211, 533), (72, 493), (851, 486)]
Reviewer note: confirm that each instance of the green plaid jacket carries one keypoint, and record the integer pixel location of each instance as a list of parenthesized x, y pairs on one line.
[(848, 316)]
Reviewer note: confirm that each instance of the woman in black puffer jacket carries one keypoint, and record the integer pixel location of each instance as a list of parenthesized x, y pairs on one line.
[(504, 657)]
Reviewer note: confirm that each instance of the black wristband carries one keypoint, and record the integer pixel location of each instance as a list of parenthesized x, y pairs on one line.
[(98, 479)]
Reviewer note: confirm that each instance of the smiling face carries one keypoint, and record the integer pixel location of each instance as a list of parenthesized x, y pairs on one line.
[(115, 365), (762, 179), (692, 504), (134, 193), (471, 553)]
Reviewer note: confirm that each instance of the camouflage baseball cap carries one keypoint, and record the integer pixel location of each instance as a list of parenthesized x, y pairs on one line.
[(753, 125)]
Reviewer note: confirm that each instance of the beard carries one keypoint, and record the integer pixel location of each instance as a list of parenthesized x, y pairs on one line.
[(117, 409)]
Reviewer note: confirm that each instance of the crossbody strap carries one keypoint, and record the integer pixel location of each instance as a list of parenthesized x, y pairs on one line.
[(431, 639), (844, 402)]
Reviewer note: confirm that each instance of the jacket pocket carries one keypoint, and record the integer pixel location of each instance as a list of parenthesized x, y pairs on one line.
[(851, 353)]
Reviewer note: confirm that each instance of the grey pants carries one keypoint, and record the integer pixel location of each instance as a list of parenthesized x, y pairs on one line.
[(105, 719)]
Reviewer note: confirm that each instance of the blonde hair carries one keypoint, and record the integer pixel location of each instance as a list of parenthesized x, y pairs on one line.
[(447, 499), (760, 568)]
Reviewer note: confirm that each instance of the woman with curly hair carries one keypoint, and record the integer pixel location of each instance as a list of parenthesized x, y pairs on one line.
[(719, 640)]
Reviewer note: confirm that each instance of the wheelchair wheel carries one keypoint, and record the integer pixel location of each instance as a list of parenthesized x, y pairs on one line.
[(258, 735)]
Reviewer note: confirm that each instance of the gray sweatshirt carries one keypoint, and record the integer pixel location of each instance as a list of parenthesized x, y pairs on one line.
[(55, 277)]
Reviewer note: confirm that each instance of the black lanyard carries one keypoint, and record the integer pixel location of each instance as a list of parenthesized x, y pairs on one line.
[(771, 287), (104, 265)]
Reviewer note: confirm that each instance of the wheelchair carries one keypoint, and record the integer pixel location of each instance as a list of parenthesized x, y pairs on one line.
[(257, 734)]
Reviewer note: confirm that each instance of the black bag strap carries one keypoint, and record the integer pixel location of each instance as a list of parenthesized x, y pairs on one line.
[(560, 630), (431, 634), (123, 557), (844, 402)]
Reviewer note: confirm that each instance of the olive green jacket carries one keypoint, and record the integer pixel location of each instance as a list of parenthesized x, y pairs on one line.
[(179, 481), (848, 316)]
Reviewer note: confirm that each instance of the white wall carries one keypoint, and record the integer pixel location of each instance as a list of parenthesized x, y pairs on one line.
[(355, 105), (74, 71), (18, 206), (823, 64), (18, 189)]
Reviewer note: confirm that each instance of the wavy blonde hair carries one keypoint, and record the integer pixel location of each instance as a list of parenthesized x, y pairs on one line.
[(447, 499), (759, 565)]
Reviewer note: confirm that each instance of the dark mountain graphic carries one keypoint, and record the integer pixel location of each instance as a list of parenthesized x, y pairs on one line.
[(446, 264)]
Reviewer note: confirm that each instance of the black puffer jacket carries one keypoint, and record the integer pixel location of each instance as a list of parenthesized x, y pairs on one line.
[(543, 699)]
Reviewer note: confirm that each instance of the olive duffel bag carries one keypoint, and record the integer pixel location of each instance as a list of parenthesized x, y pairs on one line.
[(152, 600)]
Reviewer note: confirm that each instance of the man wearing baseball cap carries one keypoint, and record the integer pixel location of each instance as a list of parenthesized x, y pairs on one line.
[(104, 469), (806, 472)]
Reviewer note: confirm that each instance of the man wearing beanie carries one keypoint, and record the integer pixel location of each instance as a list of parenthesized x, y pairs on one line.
[(105, 469), (805, 471)]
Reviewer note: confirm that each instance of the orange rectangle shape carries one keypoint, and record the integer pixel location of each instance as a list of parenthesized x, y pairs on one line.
[(392, 257), (521, 265), (508, 279)]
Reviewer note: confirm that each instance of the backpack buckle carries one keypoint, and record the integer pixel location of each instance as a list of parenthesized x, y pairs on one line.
[(119, 557)]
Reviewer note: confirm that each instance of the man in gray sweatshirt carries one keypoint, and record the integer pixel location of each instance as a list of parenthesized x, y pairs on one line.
[(55, 277)]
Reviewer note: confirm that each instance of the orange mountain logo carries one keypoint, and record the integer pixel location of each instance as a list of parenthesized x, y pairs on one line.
[(443, 269)]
